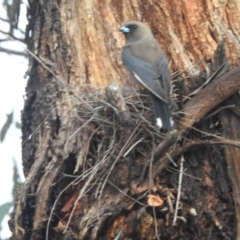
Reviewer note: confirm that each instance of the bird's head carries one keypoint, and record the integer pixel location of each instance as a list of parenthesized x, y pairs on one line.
[(134, 31)]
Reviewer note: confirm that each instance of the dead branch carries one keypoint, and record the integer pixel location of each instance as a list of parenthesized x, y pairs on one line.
[(179, 190), (189, 145), (196, 108), (209, 98), (166, 144)]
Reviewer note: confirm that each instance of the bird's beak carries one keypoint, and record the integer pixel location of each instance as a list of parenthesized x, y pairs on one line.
[(124, 29)]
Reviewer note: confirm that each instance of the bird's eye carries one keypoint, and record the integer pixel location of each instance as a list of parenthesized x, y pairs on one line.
[(134, 26)]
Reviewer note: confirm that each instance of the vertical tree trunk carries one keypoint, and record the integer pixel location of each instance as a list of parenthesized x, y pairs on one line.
[(87, 174)]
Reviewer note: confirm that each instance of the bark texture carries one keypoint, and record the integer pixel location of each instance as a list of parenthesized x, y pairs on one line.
[(230, 122), (188, 33), (91, 173)]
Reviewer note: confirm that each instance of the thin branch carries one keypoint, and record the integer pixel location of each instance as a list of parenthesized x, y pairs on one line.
[(219, 110), (57, 199), (164, 145), (190, 145), (179, 190), (9, 51), (12, 36), (4, 20), (127, 195), (155, 223), (83, 189), (136, 143), (208, 80), (170, 159)]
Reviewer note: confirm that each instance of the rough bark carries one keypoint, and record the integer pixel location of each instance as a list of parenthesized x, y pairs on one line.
[(188, 34), (230, 122), (87, 174)]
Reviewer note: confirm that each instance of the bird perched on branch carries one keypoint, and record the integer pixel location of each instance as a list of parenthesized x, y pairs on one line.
[(143, 57)]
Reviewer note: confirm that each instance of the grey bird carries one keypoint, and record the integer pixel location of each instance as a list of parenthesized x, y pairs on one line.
[(145, 60)]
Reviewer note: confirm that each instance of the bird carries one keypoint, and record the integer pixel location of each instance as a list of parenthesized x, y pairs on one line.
[(145, 60)]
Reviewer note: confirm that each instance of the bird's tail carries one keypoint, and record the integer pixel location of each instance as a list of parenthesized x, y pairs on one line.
[(162, 113)]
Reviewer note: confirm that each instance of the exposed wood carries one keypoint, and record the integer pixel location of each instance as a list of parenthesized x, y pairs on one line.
[(209, 97)]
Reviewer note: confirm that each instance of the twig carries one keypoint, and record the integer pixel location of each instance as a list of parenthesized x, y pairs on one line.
[(82, 126), (122, 192), (218, 110), (208, 80), (190, 145), (43, 64), (155, 223), (136, 143), (164, 145), (97, 166), (94, 171), (173, 170), (30, 136), (171, 160), (119, 155), (169, 203), (151, 164), (213, 94), (10, 51), (119, 235), (56, 201), (179, 190)]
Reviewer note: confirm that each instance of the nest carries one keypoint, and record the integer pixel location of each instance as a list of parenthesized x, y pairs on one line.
[(116, 129), (114, 147)]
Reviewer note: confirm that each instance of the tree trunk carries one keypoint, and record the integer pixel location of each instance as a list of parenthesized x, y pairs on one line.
[(95, 164)]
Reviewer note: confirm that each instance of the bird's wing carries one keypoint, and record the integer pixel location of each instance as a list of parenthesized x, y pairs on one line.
[(165, 75), (145, 73)]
